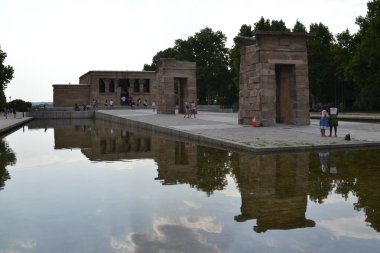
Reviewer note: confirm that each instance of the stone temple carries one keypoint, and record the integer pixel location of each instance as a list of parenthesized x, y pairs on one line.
[(173, 83), (273, 82)]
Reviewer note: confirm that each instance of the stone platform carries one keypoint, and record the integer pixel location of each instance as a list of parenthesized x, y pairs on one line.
[(223, 131)]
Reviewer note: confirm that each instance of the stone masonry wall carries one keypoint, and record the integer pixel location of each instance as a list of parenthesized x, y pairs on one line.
[(168, 71), (69, 95), (259, 75)]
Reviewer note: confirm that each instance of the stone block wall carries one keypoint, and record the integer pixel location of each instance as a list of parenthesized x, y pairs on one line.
[(168, 71), (274, 86), (106, 85), (66, 95), (274, 191), (93, 78)]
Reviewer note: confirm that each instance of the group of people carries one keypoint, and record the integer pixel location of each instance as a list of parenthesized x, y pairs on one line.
[(124, 101), (328, 121), (9, 111), (190, 109)]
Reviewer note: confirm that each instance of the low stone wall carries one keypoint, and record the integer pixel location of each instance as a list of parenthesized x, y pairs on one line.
[(48, 114), (213, 108)]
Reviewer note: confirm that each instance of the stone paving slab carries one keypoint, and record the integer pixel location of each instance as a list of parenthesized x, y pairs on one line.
[(10, 123), (222, 130)]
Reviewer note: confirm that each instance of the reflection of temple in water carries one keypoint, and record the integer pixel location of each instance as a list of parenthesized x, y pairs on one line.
[(178, 162), (176, 167), (274, 190), (98, 141)]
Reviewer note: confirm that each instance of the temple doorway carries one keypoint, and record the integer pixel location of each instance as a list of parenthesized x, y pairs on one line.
[(285, 93), (124, 94), (179, 90)]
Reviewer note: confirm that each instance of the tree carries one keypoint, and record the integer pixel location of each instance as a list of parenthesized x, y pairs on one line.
[(167, 53), (365, 63), (206, 48), (6, 75), (20, 105), (321, 67), (267, 25), (342, 53), (262, 25), (246, 31), (299, 27)]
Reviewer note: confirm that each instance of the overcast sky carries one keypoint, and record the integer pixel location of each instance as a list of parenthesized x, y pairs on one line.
[(56, 41)]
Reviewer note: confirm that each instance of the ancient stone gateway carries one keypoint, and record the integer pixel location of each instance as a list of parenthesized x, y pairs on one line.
[(274, 84), (177, 83)]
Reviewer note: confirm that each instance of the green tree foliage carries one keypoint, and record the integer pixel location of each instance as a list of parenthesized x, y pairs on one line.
[(20, 105), (342, 52), (206, 48), (6, 71), (321, 67), (6, 75), (267, 25), (7, 157), (167, 53), (299, 27), (356, 176), (246, 31), (365, 63)]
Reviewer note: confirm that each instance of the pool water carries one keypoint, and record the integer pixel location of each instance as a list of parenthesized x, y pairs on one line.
[(93, 186)]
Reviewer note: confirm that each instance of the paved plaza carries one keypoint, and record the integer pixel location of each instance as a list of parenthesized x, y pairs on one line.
[(10, 123), (223, 130)]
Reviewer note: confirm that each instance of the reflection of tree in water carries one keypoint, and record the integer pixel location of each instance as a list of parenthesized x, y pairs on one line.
[(203, 168), (320, 184), (7, 157), (358, 174), (213, 166)]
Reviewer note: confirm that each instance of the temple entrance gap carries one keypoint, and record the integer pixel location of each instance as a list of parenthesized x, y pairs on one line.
[(176, 84), (285, 92), (179, 91)]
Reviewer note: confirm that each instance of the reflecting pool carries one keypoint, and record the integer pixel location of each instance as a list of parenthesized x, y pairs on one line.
[(93, 186)]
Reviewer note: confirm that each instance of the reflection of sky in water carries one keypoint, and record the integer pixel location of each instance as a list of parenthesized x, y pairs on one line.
[(59, 201)]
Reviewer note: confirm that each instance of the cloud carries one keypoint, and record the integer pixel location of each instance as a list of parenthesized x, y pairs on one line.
[(349, 227), (192, 204), (204, 223), (169, 236), (20, 246)]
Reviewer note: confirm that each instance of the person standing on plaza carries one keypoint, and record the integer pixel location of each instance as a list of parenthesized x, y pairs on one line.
[(193, 109), (324, 122), (333, 119), (154, 105), (111, 102), (187, 110)]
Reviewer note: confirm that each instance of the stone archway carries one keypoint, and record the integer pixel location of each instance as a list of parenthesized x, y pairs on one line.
[(274, 84), (173, 73)]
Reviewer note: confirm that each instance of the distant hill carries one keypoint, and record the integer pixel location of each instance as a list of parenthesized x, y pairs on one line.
[(48, 104)]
